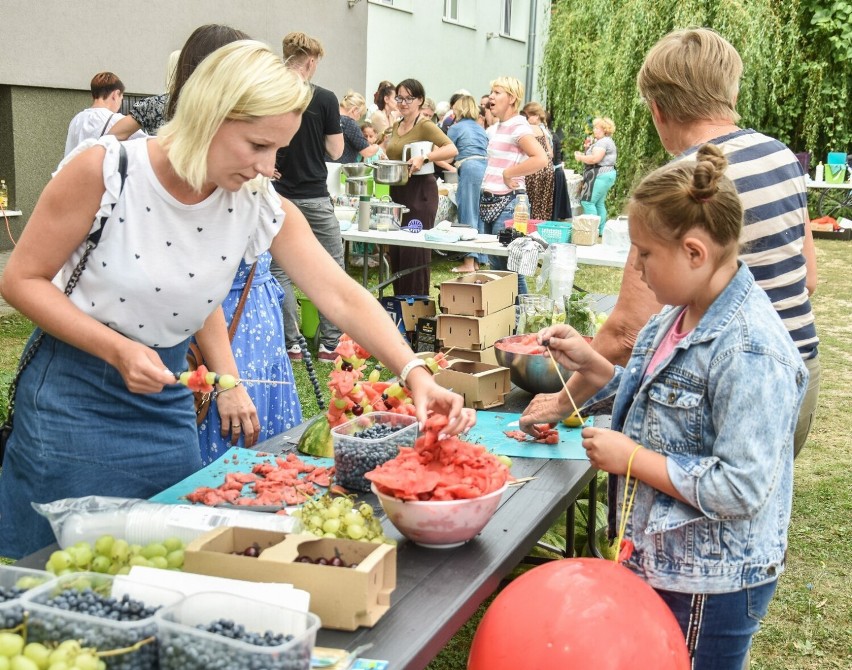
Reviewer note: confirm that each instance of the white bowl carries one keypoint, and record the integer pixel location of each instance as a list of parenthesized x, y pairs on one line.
[(441, 524)]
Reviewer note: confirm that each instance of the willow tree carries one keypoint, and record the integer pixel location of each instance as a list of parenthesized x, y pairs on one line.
[(596, 47)]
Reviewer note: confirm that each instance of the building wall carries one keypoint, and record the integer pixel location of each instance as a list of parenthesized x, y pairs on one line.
[(412, 39), (48, 54)]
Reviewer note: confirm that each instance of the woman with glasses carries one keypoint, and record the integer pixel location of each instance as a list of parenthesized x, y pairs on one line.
[(420, 194)]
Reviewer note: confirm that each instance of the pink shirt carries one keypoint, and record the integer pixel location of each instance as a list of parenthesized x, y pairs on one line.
[(670, 341), (504, 151)]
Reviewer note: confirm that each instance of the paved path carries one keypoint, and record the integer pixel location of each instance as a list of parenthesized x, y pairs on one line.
[(5, 308)]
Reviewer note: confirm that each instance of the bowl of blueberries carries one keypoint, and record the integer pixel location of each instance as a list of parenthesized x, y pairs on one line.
[(367, 441)]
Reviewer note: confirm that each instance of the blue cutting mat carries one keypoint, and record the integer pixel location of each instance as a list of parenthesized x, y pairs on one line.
[(491, 426), (236, 459)]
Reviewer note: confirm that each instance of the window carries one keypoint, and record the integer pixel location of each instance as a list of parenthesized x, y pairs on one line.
[(506, 28), (451, 10)]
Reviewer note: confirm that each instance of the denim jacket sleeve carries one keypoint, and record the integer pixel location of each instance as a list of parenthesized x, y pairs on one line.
[(754, 401)]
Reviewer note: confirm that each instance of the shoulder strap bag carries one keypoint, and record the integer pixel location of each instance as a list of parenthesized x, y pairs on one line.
[(195, 358), (91, 242)]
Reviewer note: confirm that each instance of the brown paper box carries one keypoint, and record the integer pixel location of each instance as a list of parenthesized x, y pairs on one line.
[(481, 385), (463, 296), (471, 332), (475, 355), (343, 598)]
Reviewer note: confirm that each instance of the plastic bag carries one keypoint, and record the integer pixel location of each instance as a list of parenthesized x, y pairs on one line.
[(141, 522)]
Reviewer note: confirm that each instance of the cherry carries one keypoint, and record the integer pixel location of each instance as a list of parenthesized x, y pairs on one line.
[(346, 366), (304, 559), (253, 551), (321, 561), (337, 562), (357, 410)]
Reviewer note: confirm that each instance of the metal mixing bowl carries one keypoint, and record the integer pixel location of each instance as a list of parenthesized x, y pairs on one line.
[(357, 169), (534, 373)]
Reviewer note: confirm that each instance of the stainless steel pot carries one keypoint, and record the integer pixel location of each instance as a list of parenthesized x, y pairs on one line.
[(357, 186), (394, 173), (387, 206)]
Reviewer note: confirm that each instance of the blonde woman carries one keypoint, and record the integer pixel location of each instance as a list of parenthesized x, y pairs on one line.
[(513, 153), (98, 411), (352, 109), (598, 169)]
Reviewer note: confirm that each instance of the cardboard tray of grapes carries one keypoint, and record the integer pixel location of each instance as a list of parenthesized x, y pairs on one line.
[(350, 581)]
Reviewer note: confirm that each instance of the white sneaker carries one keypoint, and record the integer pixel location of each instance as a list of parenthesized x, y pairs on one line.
[(295, 353), (326, 354), (356, 261)]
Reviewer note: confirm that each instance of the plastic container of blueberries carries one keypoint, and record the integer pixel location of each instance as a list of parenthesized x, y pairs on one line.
[(183, 646), (47, 623), (354, 456), (12, 611)]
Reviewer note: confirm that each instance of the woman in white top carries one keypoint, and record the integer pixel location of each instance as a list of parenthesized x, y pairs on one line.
[(98, 411)]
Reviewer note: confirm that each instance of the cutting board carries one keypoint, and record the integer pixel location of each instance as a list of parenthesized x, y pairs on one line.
[(490, 428), (236, 459)]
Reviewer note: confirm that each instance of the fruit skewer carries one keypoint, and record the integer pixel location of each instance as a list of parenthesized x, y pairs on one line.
[(202, 380)]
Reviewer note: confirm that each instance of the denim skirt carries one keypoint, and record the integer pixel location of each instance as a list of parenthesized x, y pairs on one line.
[(78, 431)]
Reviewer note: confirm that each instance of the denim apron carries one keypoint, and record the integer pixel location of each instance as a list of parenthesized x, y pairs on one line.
[(79, 432)]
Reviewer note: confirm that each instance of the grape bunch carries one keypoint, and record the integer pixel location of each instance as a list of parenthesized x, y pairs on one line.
[(67, 655), (184, 651), (340, 518), (85, 611), (114, 556), (357, 454)]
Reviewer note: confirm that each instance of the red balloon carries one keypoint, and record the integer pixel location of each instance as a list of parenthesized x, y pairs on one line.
[(578, 613)]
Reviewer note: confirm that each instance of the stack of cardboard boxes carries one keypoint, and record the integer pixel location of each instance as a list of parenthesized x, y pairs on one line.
[(477, 309)]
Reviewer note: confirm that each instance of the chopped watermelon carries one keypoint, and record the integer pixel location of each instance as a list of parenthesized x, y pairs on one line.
[(448, 469)]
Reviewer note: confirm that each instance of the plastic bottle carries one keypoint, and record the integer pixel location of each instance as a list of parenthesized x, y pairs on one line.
[(820, 172), (4, 195), (521, 214), (563, 266)]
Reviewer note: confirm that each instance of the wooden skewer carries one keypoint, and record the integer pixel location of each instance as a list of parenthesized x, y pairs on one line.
[(565, 386), (522, 480)]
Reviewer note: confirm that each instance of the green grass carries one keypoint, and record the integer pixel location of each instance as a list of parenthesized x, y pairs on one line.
[(809, 625)]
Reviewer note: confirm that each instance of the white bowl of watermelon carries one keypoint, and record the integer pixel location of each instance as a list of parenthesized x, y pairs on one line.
[(440, 524), (440, 493)]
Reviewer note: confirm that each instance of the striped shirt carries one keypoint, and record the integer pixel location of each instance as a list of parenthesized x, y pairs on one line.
[(504, 151), (771, 185)]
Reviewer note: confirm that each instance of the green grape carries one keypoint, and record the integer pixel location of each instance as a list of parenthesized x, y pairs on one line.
[(23, 663), (135, 549), (175, 558), (60, 665), (103, 545), (82, 553), (314, 521), (173, 544), (331, 526), (123, 570), (366, 510), (331, 512), (100, 563), (353, 518), (120, 551), (160, 562), (60, 560), (154, 549), (27, 583), (5, 663), (60, 655), (86, 661), (356, 531), (139, 560), (11, 644), (38, 653)]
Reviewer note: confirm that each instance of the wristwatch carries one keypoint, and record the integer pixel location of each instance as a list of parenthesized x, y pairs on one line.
[(413, 363)]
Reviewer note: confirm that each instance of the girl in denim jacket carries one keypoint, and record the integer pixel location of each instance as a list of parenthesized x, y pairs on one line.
[(704, 413)]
